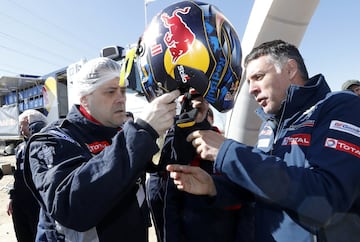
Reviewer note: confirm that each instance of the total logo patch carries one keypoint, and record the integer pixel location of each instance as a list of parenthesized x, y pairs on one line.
[(343, 146), (297, 139), (97, 147)]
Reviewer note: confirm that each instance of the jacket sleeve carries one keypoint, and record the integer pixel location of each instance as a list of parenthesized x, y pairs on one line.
[(313, 194), (78, 190)]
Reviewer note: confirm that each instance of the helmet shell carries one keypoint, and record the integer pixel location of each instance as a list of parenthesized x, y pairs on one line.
[(191, 44)]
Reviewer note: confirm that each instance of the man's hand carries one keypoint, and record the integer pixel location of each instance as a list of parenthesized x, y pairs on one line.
[(198, 102), (192, 179), (203, 107), (206, 142), (161, 111)]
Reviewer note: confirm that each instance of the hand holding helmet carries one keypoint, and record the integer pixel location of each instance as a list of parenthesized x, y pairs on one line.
[(194, 109), (163, 107)]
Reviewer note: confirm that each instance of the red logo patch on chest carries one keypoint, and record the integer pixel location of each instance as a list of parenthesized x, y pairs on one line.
[(297, 139), (97, 147)]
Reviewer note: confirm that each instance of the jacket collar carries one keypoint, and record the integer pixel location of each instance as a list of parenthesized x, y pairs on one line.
[(77, 118)]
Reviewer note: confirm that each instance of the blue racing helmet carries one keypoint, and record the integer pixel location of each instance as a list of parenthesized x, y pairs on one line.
[(191, 44)]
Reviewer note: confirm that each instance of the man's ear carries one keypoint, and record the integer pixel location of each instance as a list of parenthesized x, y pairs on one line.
[(84, 101), (292, 68)]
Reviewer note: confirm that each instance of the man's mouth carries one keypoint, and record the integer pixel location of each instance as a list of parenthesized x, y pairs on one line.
[(261, 101), (120, 111)]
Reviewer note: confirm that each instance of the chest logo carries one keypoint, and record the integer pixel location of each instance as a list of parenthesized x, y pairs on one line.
[(97, 147), (297, 139)]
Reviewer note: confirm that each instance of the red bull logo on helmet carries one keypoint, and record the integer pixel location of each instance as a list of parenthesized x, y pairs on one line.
[(180, 38), (183, 47), (197, 37)]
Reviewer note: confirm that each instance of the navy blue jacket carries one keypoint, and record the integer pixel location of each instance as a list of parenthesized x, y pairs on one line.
[(88, 179), (305, 169), (20, 191), (188, 217), (25, 206)]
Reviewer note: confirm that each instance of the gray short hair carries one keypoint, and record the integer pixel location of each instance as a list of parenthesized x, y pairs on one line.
[(32, 116), (279, 52), (94, 73)]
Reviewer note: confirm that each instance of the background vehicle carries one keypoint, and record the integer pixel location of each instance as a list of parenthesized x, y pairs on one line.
[(52, 94)]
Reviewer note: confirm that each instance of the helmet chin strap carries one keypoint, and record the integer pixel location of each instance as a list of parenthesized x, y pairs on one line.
[(188, 77), (188, 113)]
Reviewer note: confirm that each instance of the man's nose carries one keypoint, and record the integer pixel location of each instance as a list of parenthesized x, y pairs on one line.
[(121, 95), (253, 89)]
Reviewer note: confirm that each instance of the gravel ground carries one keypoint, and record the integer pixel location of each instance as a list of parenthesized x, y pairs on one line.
[(6, 226)]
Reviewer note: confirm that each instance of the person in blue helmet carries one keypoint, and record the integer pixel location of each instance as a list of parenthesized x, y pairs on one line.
[(303, 171), (88, 170), (22, 206)]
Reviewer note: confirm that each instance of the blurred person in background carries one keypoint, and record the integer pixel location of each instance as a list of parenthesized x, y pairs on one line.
[(352, 85), (22, 205)]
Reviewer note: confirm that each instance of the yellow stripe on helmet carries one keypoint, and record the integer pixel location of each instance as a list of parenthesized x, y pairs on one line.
[(126, 67)]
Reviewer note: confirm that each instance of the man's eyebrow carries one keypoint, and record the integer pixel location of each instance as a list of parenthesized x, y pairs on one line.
[(111, 87)]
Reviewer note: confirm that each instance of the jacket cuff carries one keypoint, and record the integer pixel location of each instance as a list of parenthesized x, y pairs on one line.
[(144, 125)]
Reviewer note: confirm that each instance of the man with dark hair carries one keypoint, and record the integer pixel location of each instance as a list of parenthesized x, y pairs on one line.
[(304, 169)]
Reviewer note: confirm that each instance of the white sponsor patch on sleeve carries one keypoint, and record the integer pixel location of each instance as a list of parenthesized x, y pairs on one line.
[(345, 127), (343, 146), (263, 143)]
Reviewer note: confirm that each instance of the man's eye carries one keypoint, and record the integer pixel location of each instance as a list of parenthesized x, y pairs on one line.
[(109, 92), (259, 77)]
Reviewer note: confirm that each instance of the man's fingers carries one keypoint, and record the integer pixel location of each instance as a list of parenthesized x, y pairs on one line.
[(181, 168), (168, 97), (180, 187), (193, 135), (175, 175), (174, 168)]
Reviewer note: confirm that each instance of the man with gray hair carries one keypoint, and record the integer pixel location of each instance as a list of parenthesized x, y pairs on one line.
[(22, 205), (304, 171), (351, 85), (88, 170), (31, 121)]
